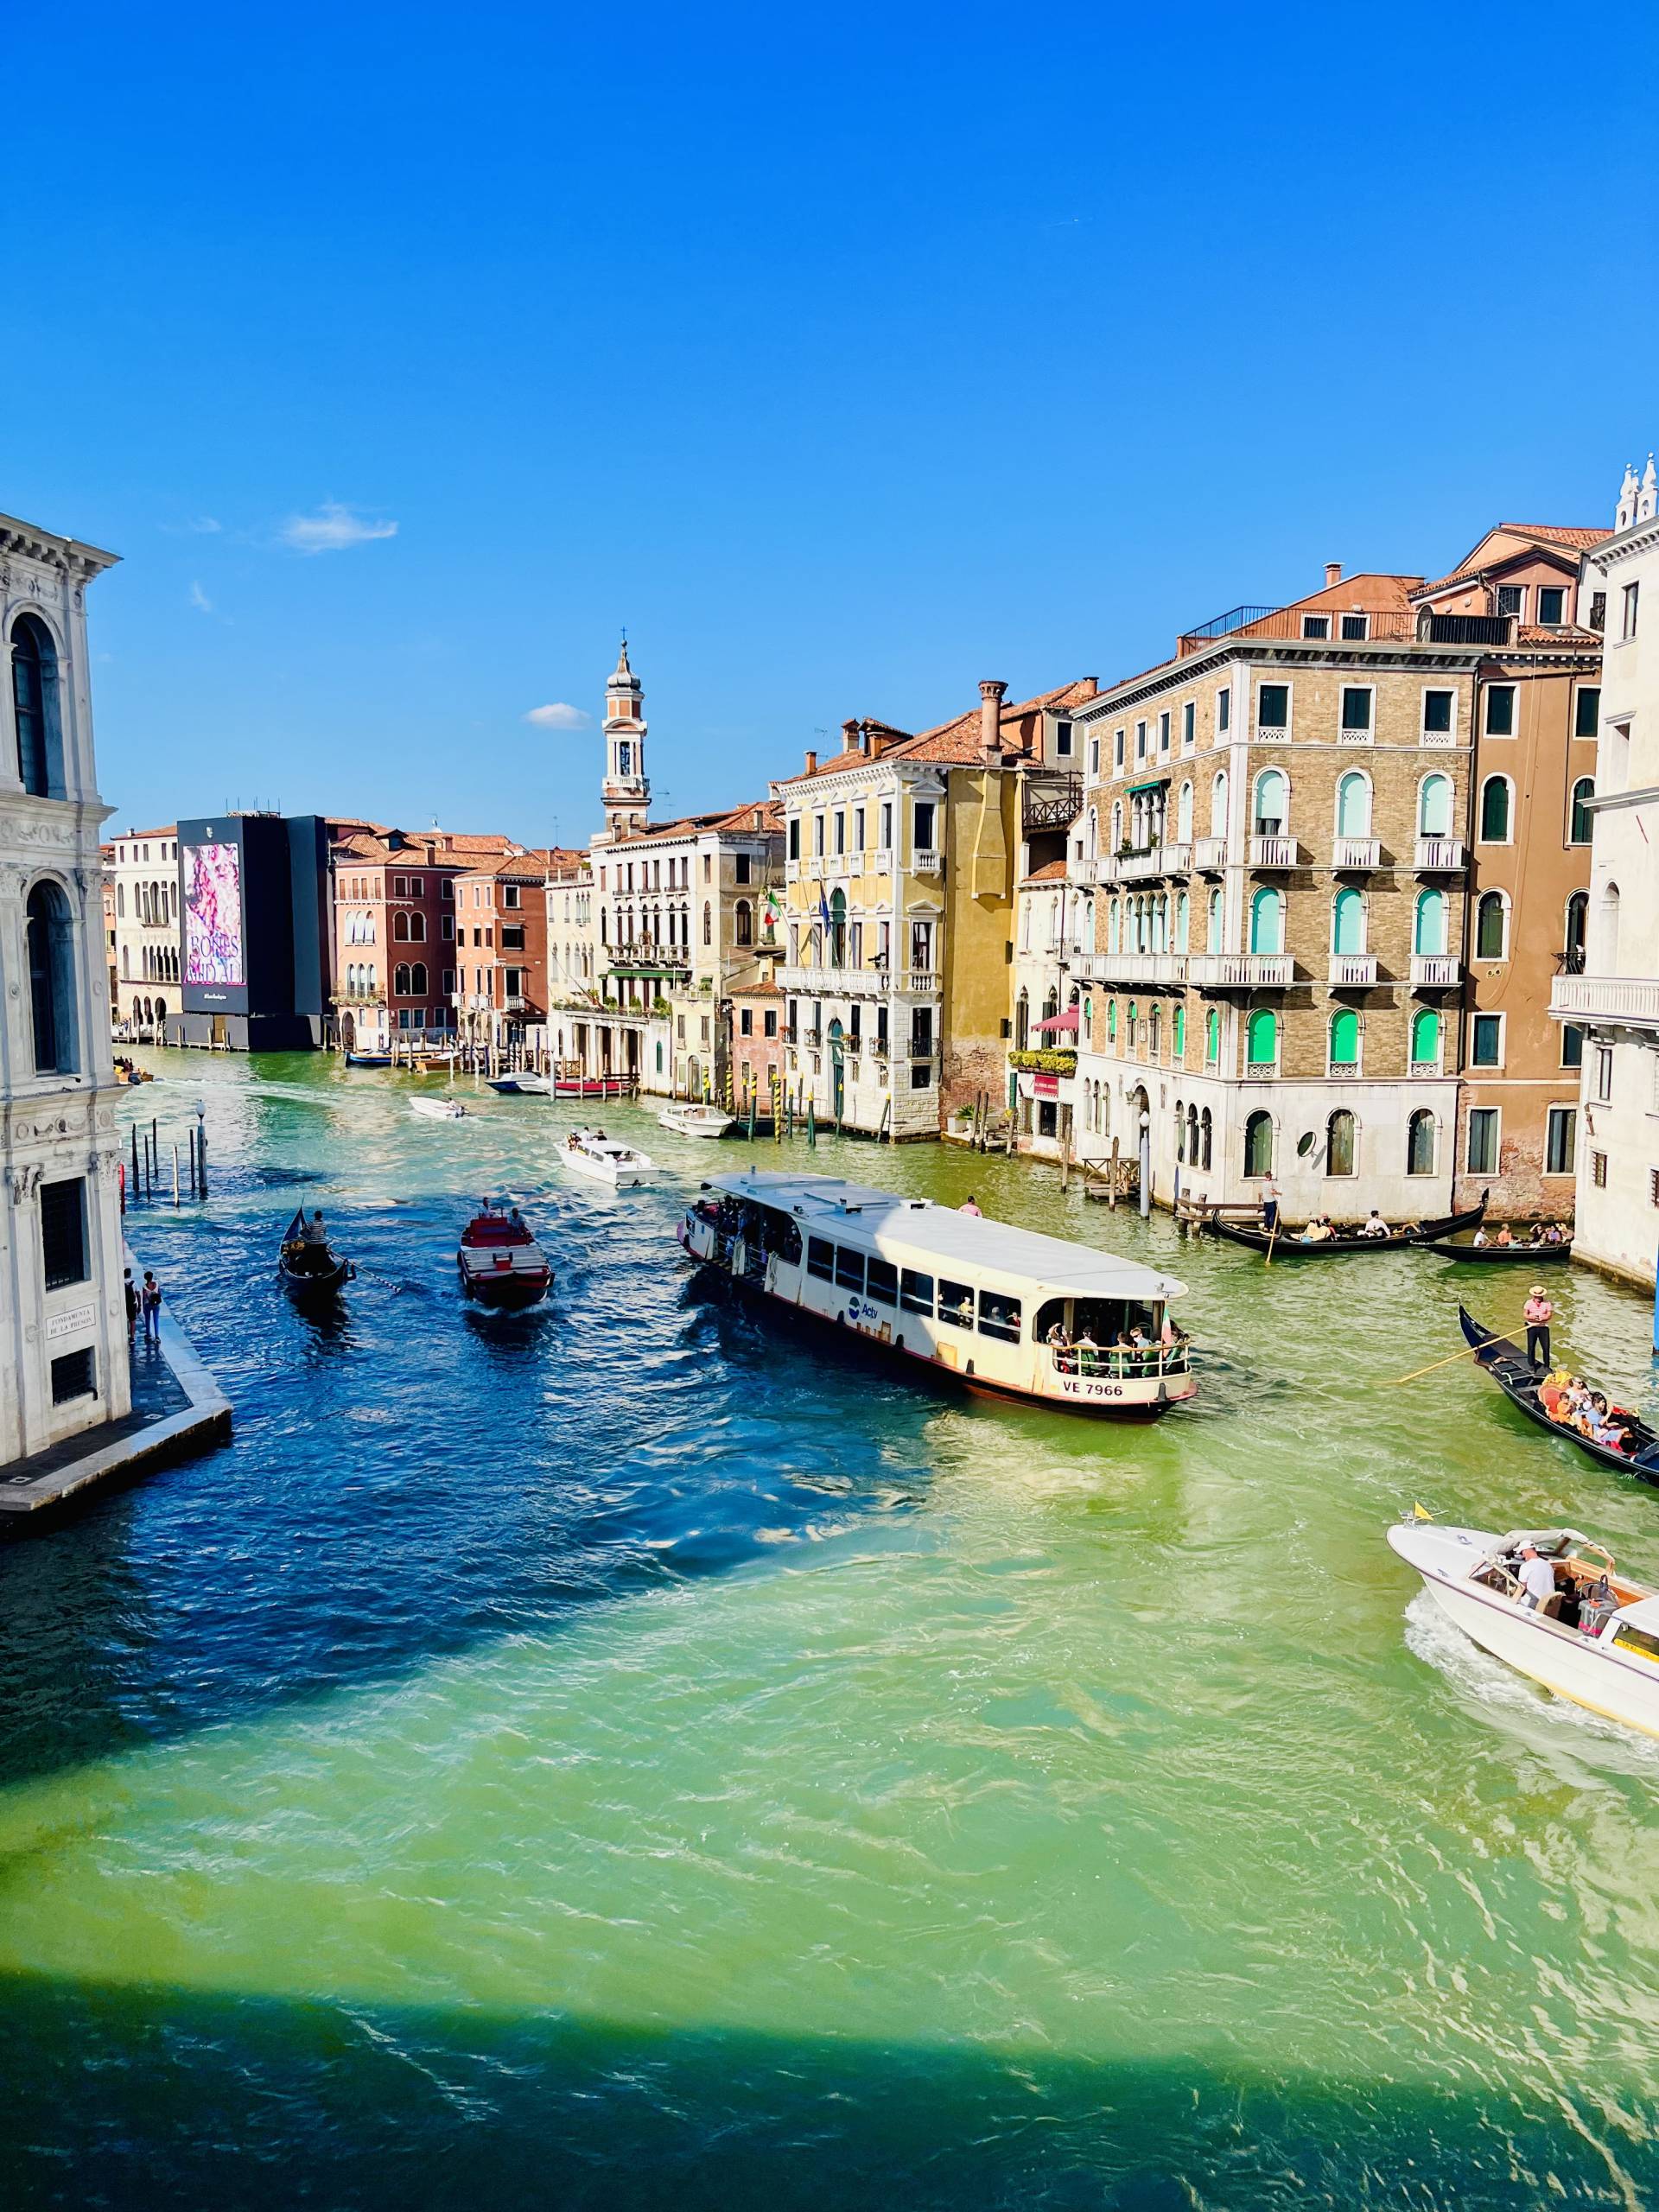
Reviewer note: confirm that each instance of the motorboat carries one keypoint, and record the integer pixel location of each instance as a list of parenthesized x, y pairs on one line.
[(688, 1121), (953, 1297), (368, 1059), (439, 1109), (595, 1086), (522, 1086), (603, 1159), (306, 1267), (1595, 1641), (499, 1262)]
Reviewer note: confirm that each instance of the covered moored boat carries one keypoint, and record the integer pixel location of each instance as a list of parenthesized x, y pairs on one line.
[(499, 1262)]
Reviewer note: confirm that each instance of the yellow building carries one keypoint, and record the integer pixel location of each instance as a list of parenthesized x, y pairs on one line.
[(902, 856)]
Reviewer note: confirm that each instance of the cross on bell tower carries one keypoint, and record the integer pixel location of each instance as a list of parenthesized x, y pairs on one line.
[(625, 791)]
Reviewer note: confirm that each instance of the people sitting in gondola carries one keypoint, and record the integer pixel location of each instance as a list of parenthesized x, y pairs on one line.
[(1318, 1232), (1504, 1237), (1536, 1234), (1554, 1235), (1375, 1225)]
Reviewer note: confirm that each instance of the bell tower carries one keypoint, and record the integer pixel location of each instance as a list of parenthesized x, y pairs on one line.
[(625, 791)]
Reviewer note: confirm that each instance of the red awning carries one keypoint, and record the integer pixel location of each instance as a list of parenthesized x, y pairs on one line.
[(1058, 1024)]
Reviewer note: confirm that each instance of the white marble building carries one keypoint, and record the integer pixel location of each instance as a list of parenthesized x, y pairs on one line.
[(142, 867), (1615, 1002), (61, 1302)]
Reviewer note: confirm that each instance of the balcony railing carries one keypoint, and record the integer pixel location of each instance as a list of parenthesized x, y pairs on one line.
[(1352, 971), (1232, 971), (1438, 855), (1438, 737), (1141, 966), (1632, 1001), (919, 979), (1356, 853), (1210, 855), (1433, 971), (1272, 852), (1343, 1070), (1395, 626), (1048, 806), (1423, 1069), (1272, 733), (1136, 866), (1176, 860), (927, 863)]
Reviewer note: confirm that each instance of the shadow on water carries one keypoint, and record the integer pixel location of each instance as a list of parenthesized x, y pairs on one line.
[(133, 2099)]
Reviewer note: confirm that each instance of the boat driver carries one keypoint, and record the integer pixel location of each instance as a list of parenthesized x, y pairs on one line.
[(1537, 1579)]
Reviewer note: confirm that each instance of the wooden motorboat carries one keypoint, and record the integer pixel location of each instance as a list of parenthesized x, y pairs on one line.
[(439, 1109), (1517, 1254), (368, 1059), (595, 1086), (1288, 1242), (1595, 1640), (307, 1266), (603, 1159), (688, 1121), (499, 1262), (522, 1086), (1520, 1382)]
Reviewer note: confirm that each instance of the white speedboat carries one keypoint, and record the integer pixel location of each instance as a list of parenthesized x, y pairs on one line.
[(1595, 1641), (688, 1121), (439, 1109), (603, 1159)]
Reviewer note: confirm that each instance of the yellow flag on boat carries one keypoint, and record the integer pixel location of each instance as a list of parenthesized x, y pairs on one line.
[(1420, 1512)]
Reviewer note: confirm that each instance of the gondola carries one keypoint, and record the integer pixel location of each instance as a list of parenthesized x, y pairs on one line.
[(312, 1272), (1537, 1256), (1288, 1244), (1512, 1371)]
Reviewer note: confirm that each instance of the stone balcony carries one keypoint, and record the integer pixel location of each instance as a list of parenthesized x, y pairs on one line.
[(1210, 855), (1156, 968), (1272, 852), (1352, 971), (856, 983), (1622, 1001), (1438, 855), (1240, 971), (1434, 971), (1354, 854)]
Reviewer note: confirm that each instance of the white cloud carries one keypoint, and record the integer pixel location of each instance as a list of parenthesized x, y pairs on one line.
[(197, 526), (199, 600), (332, 529), (558, 716)]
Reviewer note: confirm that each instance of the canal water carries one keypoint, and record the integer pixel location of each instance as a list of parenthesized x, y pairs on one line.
[(618, 1758)]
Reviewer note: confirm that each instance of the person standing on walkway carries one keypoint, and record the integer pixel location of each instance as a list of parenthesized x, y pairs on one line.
[(1538, 1313), (150, 1300), (132, 1304)]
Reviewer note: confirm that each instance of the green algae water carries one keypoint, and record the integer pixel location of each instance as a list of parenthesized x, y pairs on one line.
[(616, 1756)]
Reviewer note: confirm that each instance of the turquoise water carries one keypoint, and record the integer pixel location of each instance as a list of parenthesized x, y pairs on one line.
[(616, 1757)]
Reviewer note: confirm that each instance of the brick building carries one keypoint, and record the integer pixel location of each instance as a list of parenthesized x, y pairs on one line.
[(500, 955), (395, 961)]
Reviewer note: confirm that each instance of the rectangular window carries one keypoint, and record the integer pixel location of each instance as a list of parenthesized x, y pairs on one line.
[(956, 1304), (1489, 1041), (1551, 605), (1316, 626), (922, 820), (1437, 711), (740, 867), (858, 834), (1571, 1045), (817, 836), (820, 1258), (512, 894), (881, 1282), (1560, 1140), (887, 825), (1356, 707), (915, 1293), (794, 837), (1509, 599), (1119, 741), (1483, 1141), (1223, 712), (999, 1316), (1189, 726), (708, 868), (1273, 706), (73, 1375), (449, 982), (1355, 627), (841, 832), (1632, 592), (1500, 710), (1604, 1075), (849, 1269), (1063, 741), (1599, 1170), (1094, 756), (63, 1232), (446, 927), (1587, 710), (745, 1021), (513, 936), (1163, 731), (770, 1027), (1140, 741)]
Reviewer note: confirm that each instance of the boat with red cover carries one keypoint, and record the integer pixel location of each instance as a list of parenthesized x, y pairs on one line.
[(499, 1262)]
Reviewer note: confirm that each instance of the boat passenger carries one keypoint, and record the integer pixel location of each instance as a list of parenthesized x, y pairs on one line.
[(1504, 1237), (968, 1205), (1317, 1232), (1536, 1234), (1087, 1349), (1553, 1234), (1375, 1225), (1537, 1579), (1481, 1239)]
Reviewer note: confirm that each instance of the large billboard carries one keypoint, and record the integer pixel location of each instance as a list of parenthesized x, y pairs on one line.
[(213, 915)]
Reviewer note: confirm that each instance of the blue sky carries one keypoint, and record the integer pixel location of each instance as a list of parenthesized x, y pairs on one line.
[(846, 356)]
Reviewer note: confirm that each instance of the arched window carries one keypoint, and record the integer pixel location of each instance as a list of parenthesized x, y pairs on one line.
[(34, 696), (1272, 802), (121, 901), (417, 928), (1434, 807), (1495, 810), (1420, 1143), (1354, 805), (744, 918), (1261, 1039), (1205, 1131), (709, 921), (1491, 926), (1112, 927), (1051, 1003), (1607, 933), (52, 980), (1133, 1016), (400, 981), (1183, 815), (418, 979), (1578, 915), (1258, 1144), (1429, 933), (1094, 832), (161, 1009), (1268, 920), (837, 929), (1218, 804), (1344, 1040), (1117, 825), (1583, 791), (1339, 1143), (1425, 1038), (1155, 1031), (1348, 921), (1182, 913), (1178, 1033), (400, 928), (1193, 1136), (1212, 923), (1111, 1020), (1022, 1021), (1212, 1038)]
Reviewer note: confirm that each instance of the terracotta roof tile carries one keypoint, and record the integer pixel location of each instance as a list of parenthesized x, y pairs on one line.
[(1555, 533), (1054, 871), (955, 742)]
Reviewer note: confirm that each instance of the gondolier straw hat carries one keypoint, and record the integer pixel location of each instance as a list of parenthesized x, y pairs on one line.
[(1537, 1290)]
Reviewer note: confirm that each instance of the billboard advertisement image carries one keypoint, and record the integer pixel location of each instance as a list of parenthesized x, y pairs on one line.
[(213, 915)]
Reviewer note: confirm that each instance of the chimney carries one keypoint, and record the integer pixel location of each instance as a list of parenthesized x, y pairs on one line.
[(866, 740), (990, 719), (1333, 575), (812, 760)]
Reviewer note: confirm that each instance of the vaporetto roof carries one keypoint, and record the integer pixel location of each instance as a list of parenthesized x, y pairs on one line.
[(858, 1213)]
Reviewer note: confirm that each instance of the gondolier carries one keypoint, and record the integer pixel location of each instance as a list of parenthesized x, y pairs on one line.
[(1538, 1313)]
